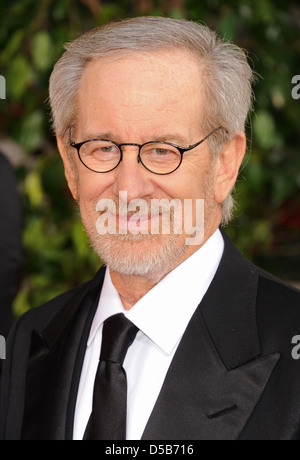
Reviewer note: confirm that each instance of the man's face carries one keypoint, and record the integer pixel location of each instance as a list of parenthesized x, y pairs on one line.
[(137, 99)]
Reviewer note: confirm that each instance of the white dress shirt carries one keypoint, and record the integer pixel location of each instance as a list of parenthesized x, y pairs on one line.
[(162, 316)]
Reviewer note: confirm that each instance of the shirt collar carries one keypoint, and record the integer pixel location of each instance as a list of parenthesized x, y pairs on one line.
[(165, 311)]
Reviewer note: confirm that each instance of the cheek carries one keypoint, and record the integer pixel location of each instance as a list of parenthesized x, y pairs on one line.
[(92, 185), (189, 185), (190, 180), (91, 188)]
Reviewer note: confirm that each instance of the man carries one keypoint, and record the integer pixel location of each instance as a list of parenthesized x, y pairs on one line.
[(10, 244), (149, 116)]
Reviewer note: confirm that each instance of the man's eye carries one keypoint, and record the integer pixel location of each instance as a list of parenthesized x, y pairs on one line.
[(162, 152), (108, 149), (98, 150)]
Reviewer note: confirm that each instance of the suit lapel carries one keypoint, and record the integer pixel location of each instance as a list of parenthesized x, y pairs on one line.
[(217, 375), (55, 358)]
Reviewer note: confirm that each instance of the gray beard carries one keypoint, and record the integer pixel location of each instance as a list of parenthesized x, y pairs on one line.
[(126, 254)]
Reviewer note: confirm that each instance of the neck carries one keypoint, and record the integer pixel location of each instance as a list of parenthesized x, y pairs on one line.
[(131, 288)]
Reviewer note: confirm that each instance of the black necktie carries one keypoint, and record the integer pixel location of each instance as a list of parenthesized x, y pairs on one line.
[(108, 418)]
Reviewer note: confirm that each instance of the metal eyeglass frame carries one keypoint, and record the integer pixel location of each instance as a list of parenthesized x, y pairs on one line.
[(181, 150)]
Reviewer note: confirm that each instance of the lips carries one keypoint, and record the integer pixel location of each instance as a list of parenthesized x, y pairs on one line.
[(134, 223)]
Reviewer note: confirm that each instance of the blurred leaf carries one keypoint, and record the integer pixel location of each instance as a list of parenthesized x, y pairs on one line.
[(34, 189), (19, 77), (254, 175), (176, 13), (282, 188), (229, 25), (109, 11), (12, 47), (31, 135), (261, 232), (265, 130), (42, 51), (80, 239), (22, 303), (265, 10), (60, 10)]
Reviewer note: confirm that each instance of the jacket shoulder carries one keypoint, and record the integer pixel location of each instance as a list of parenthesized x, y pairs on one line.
[(38, 318), (277, 303), (277, 292), (278, 313)]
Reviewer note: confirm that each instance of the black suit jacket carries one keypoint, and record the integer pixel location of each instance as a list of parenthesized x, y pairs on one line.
[(11, 253), (232, 377)]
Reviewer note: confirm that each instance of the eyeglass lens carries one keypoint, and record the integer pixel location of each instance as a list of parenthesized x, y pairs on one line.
[(103, 156)]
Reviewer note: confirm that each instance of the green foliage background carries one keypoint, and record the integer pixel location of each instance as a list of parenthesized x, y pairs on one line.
[(267, 223)]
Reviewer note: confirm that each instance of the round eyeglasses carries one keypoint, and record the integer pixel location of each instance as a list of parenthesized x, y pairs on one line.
[(102, 156)]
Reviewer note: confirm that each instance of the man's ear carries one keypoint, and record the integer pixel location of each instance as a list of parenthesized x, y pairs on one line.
[(70, 167), (228, 165)]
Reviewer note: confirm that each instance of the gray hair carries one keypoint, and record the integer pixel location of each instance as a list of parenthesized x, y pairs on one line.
[(227, 75)]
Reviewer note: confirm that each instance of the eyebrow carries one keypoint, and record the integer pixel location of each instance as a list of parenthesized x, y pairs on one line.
[(108, 136), (172, 138)]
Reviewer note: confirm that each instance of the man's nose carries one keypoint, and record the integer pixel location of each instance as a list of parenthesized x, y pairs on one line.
[(132, 177)]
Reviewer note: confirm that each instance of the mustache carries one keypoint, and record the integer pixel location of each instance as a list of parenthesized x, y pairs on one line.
[(138, 207)]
